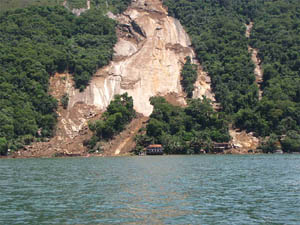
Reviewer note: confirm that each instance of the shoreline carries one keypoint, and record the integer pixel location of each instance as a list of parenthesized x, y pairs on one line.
[(90, 155)]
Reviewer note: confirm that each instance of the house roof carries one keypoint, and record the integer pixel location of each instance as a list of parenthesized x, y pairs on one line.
[(154, 146)]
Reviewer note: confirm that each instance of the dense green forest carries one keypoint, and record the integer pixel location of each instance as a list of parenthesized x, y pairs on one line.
[(116, 6), (218, 35), (183, 130), (35, 43), (118, 114), (189, 76), (77, 4), (276, 34), (16, 4)]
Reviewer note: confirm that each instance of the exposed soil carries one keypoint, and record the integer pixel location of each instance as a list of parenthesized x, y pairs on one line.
[(123, 143), (244, 142), (256, 60), (72, 125)]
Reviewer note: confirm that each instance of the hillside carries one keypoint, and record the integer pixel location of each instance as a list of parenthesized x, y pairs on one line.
[(217, 31), (16, 4), (115, 6), (242, 58), (35, 43)]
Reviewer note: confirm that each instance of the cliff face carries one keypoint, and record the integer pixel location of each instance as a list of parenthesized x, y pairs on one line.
[(148, 58)]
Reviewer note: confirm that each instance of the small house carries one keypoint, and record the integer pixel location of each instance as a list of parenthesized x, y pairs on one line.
[(220, 147), (154, 150)]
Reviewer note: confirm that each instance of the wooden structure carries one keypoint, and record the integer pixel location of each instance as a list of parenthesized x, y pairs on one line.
[(220, 147), (154, 150)]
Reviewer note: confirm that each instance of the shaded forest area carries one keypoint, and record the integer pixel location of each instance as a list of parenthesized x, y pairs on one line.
[(35, 43)]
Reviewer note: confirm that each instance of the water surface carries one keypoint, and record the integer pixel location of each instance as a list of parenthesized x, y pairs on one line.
[(205, 189)]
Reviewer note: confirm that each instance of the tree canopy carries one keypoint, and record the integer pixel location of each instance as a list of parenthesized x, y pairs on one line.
[(217, 29), (118, 114), (183, 130), (35, 43)]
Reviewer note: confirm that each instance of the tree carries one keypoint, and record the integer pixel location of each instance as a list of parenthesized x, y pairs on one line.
[(189, 77), (118, 114), (3, 146), (65, 100), (291, 143)]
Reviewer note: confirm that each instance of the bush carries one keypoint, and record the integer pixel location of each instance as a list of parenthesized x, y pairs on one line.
[(270, 144), (3, 146), (189, 77), (119, 113), (291, 143), (65, 100)]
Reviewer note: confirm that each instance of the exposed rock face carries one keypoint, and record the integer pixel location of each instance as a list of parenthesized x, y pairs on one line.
[(148, 58)]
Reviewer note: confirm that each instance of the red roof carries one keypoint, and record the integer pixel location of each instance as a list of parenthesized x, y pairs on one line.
[(154, 146)]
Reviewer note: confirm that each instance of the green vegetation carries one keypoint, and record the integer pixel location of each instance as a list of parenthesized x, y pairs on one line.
[(76, 4), (276, 34), (65, 100), (291, 143), (34, 44), (189, 77), (3, 146), (183, 130), (119, 113), (17, 4), (218, 36), (115, 6)]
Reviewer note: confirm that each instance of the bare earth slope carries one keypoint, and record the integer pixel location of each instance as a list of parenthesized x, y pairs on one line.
[(256, 60), (148, 59)]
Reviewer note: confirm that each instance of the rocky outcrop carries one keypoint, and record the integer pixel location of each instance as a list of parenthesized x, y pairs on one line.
[(243, 142), (149, 56)]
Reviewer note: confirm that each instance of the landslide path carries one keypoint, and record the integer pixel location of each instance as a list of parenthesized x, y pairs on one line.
[(123, 143), (71, 128), (247, 142), (256, 60)]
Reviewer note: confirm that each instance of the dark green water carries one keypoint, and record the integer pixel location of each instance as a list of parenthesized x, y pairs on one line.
[(261, 189)]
